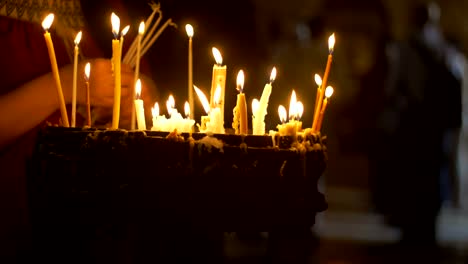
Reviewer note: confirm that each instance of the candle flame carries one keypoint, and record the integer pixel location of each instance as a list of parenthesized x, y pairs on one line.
[(217, 56), (299, 109), (138, 89), (255, 105), (47, 22), (87, 70), (331, 42), (187, 109), (155, 110), (273, 74), (170, 104), (125, 30), (318, 79), (115, 20), (282, 113), (189, 30), (141, 28), (78, 38), (328, 92), (292, 106), (203, 99), (240, 81)]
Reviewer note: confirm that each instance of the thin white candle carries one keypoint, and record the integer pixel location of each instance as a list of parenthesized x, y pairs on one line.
[(141, 31), (258, 127), (75, 74), (88, 96), (190, 32), (139, 107)]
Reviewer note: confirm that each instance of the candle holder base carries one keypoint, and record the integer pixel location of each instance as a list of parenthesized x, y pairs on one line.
[(84, 181)]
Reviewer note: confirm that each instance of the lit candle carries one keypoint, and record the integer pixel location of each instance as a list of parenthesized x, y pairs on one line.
[(46, 23), (88, 97), (159, 121), (189, 30), (218, 78), (328, 94), (141, 31), (240, 111), (331, 45), (299, 112), (140, 110), (75, 73), (282, 128), (122, 34), (206, 106), (258, 127), (318, 81), (187, 122), (215, 124), (116, 66)]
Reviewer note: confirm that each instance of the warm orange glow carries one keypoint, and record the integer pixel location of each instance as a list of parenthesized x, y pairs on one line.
[(187, 109), (87, 70), (331, 42), (217, 56), (189, 30), (282, 113), (203, 99), (318, 80), (328, 92), (78, 38), (155, 110), (273, 75), (217, 95), (255, 105), (170, 104), (138, 89), (141, 28), (240, 81), (115, 20), (47, 22), (299, 109), (125, 30), (292, 106)]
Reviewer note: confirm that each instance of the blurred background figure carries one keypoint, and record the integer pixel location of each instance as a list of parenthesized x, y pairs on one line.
[(420, 122)]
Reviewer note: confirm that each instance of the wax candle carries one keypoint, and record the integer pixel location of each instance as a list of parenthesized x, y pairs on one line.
[(240, 111), (46, 23), (318, 81), (88, 96), (122, 34), (159, 121), (328, 94), (206, 106), (299, 112), (187, 122), (255, 106), (141, 31), (258, 127), (218, 78), (215, 124), (75, 73), (189, 30), (140, 110), (331, 45), (116, 67)]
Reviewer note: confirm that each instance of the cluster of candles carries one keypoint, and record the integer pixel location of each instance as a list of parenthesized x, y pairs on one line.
[(213, 122)]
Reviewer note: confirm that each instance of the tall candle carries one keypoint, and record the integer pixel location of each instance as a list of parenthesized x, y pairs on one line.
[(258, 127), (331, 45), (88, 96), (328, 94), (206, 106), (116, 66), (122, 34), (141, 31), (53, 63), (318, 81), (75, 73), (189, 30), (218, 78), (140, 110), (240, 111)]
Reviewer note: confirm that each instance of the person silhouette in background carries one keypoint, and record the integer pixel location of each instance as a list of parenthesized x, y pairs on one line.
[(422, 108)]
